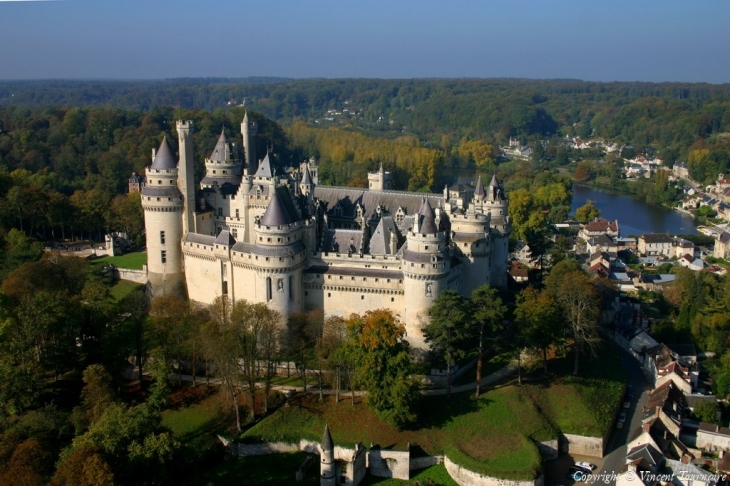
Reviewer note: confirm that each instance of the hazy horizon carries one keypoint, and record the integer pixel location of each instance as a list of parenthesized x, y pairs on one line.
[(649, 41)]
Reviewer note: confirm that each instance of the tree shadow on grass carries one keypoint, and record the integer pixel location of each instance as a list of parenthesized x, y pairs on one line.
[(437, 411)]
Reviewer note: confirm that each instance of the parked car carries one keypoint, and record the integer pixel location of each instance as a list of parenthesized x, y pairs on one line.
[(586, 465), (578, 469), (627, 404), (622, 417), (619, 425)]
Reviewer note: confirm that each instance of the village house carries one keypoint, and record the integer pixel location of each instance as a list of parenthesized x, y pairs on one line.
[(654, 244), (597, 227), (721, 245), (681, 170), (711, 437)]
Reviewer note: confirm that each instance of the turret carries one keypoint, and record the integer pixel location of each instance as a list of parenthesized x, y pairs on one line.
[(223, 166), (281, 254), (306, 185), (327, 466), (479, 191), (426, 264), (248, 131), (186, 173), (163, 203), (380, 180), (496, 205)]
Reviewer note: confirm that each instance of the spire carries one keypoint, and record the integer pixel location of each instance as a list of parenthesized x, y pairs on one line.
[(245, 116), (327, 443), (306, 177), (221, 151), (276, 213), (479, 191), (164, 158), (494, 182), (428, 223)]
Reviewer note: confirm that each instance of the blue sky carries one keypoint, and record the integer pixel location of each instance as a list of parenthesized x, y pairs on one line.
[(601, 40)]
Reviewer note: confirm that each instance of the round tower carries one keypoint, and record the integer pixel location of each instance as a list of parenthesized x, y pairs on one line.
[(163, 204), (495, 204), (249, 131), (327, 466), (280, 254), (470, 235), (426, 266)]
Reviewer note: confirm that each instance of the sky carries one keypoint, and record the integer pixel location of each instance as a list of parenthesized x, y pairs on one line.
[(596, 40)]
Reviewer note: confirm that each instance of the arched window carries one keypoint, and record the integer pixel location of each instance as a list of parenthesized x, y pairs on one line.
[(268, 289)]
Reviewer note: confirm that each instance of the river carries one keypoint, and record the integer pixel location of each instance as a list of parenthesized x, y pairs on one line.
[(634, 216)]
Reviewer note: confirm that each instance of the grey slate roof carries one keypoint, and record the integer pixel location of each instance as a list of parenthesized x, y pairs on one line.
[(648, 454), (161, 191), (380, 240), (277, 213), (206, 240), (306, 178), (343, 241), (479, 191), (493, 182), (164, 157), (391, 200), (656, 238), (225, 239), (724, 237), (221, 151), (356, 272), (428, 221), (267, 168)]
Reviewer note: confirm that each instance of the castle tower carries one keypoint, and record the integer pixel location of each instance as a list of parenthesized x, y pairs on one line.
[(249, 130), (186, 173), (426, 266), (281, 254), (222, 166), (380, 180), (479, 193), (327, 466), (306, 185), (163, 205), (495, 204)]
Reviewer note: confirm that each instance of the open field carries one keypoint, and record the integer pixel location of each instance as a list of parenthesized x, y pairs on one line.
[(135, 261)]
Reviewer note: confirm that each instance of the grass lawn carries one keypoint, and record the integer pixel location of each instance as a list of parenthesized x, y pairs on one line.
[(123, 288), (269, 470), (195, 417), (493, 435), (293, 380), (437, 474), (135, 261)]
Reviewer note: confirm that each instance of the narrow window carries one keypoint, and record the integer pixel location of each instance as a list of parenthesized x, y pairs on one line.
[(268, 289), (163, 256), (225, 288), (236, 213), (220, 211), (162, 237), (291, 288)]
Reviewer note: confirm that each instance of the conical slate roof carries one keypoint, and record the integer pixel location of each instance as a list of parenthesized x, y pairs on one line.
[(267, 167), (494, 182), (221, 152), (276, 213), (428, 223), (479, 191), (306, 178), (327, 444), (164, 157)]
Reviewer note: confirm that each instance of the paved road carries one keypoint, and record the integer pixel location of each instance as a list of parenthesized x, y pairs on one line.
[(616, 457)]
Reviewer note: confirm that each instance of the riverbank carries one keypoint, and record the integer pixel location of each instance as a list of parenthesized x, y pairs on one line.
[(635, 215)]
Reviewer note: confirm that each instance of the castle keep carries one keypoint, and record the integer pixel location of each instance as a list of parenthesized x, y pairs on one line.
[(259, 232)]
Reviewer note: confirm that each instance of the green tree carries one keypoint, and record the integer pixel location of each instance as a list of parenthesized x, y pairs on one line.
[(381, 353), (447, 331), (706, 411), (587, 212), (96, 396), (486, 324), (537, 315)]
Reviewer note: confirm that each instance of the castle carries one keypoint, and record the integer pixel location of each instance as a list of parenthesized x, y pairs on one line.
[(256, 231)]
